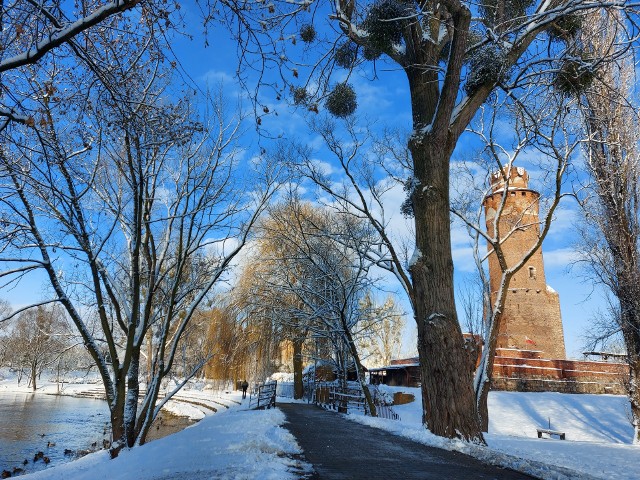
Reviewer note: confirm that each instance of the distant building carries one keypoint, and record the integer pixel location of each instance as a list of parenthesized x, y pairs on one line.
[(399, 373), (530, 354)]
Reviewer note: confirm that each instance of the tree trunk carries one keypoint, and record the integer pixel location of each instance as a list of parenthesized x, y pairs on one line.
[(448, 400), (484, 372), (353, 350), (117, 426), (34, 374), (634, 397), (131, 402), (298, 386), (630, 320)]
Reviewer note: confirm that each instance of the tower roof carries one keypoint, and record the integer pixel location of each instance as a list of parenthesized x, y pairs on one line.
[(518, 178)]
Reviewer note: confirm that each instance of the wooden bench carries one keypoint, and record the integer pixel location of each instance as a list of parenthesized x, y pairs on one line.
[(550, 432)]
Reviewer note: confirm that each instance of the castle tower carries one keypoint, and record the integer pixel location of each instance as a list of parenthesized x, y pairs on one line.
[(531, 317)]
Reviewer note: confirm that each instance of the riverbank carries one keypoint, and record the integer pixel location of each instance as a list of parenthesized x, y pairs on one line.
[(234, 444), (184, 410), (173, 418), (168, 423)]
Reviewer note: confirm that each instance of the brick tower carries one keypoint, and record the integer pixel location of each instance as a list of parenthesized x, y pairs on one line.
[(531, 318)]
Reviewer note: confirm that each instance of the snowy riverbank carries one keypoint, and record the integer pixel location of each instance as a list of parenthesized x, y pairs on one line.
[(240, 444), (235, 444)]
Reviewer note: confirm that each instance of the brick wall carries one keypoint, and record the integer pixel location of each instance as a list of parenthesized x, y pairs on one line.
[(521, 371)]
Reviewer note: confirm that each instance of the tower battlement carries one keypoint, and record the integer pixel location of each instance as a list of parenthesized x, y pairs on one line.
[(518, 178)]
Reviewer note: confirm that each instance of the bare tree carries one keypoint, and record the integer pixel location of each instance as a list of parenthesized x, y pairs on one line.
[(610, 200), (29, 31), (134, 218), (277, 240), (315, 281), (37, 341)]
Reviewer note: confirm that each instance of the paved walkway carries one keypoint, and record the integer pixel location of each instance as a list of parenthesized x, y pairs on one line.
[(342, 449)]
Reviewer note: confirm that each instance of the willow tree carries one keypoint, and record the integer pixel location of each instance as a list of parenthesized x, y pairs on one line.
[(304, 281)]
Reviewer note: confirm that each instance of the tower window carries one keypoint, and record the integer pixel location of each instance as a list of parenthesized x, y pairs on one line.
[(532, 273)]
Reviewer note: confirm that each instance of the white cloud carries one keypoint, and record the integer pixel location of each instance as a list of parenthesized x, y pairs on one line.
[(214, 77), (323, 167), (559, 258)]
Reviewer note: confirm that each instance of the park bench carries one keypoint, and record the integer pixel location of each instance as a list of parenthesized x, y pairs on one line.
[(550, 433)]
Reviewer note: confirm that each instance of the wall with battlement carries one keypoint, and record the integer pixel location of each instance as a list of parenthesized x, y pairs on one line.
[(525, 371)]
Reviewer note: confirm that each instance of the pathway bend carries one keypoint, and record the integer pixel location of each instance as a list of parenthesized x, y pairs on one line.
[(340, 449)]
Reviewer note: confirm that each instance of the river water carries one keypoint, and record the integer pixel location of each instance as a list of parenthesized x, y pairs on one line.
[(29, 423)]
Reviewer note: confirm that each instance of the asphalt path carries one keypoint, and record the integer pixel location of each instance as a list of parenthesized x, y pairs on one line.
[(341, 449)]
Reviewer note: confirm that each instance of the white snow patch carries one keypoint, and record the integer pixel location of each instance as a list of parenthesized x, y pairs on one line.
[(417, 255), (237, 444)]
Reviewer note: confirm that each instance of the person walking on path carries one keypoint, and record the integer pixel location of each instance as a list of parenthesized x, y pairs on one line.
[(244, 385)]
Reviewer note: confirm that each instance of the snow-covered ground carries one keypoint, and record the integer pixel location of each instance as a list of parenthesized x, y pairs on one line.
[(230, 443), (240, 444), (235, 444), (597, 427)]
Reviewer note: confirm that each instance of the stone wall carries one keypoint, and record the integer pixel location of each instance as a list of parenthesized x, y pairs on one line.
[(532, 320)]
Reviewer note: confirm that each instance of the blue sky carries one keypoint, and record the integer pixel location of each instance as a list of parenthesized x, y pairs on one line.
[(384, 101)]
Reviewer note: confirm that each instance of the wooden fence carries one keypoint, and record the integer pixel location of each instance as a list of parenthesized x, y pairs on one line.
[(263, 396), (351, 399)]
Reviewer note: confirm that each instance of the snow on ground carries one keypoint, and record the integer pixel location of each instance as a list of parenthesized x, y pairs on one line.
[(72, 384), (235, 444), (597, 429), (239, 444)]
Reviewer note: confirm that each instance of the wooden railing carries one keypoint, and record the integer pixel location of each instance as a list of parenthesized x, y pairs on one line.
[(385, 411), (264, 396), (351, 399)]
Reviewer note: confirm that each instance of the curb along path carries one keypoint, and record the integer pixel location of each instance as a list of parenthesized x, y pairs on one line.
[(341, 449)]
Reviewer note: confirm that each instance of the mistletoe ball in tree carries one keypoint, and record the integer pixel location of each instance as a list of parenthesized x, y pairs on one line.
[(346, 55), (384, 23), (308, 33), (341, 102)]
